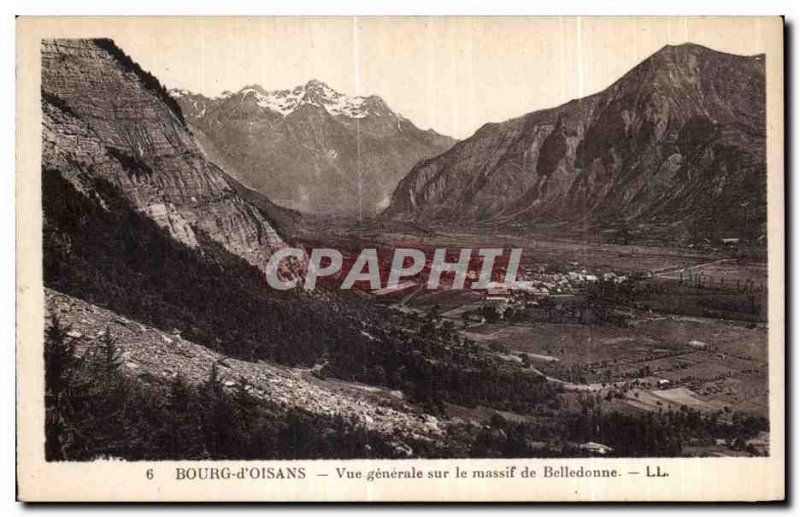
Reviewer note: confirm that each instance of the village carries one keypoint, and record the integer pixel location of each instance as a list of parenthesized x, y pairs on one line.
[(534, 287), (579, 329)]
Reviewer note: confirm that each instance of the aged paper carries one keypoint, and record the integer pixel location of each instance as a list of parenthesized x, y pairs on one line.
[(400, 259)]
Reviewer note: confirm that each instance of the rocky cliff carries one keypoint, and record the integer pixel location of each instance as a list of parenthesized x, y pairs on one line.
[(104, 118), (678, 141), (158, 358), (311, 148)]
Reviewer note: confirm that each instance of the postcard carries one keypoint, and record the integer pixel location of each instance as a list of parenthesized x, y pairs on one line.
[(400, 259)]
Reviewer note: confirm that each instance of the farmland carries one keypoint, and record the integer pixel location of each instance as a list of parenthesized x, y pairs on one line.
[(631, 328), (711, 364)]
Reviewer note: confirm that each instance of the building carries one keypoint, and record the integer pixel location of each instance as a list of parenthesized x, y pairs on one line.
[(497, 292), (402, 286), (596, 448)]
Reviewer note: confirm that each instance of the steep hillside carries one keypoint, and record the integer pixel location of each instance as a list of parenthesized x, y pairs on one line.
[(311, 149), (678, 141), (159, 359), (115, 150), (104, 118)]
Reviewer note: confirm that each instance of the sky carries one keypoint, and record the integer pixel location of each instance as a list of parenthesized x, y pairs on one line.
[(449, 74)]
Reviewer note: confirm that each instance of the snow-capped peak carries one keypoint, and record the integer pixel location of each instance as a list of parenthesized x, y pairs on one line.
[(180, 92), (315, 93), (198, 102)]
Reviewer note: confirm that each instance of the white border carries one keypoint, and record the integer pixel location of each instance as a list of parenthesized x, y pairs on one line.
[(341, 7)]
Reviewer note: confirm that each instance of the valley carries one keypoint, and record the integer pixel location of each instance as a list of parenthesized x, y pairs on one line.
[(637, 328), (675, 324), (630, 332)]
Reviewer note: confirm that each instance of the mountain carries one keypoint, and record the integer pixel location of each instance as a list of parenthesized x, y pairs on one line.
[(311, 148), (155, 358), (137, 220), (107, 121), (678, 141)]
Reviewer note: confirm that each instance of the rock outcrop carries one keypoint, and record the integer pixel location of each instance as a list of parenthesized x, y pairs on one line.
[(678, 141), (157, 357), (105, 119), (311, 148)]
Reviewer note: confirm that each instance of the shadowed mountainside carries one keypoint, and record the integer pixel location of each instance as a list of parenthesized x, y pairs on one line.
[(104, 118), (678, 141), (311, 148)]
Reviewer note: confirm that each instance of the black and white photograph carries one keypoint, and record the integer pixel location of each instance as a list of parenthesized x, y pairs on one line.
[(374, 238)]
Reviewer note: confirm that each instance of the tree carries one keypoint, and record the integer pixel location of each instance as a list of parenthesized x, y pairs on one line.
[(490, 313), (217, 416), (59, 360), (111, 354), (182, 436)]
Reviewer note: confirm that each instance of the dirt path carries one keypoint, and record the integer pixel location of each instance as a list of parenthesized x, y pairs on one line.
[(678, 269), (569, 386)]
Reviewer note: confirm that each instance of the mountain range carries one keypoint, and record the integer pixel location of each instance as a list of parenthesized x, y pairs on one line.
[(153, 262), (107, 121), (678, 141), (311, 148), (155, 240), (138, 220)]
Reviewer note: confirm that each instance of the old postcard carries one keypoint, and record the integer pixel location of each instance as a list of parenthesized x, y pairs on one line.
[(400, 259)]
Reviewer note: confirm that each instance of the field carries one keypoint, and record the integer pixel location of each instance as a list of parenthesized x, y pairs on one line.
[(694, 335), (710, 364), (541, 246), (725, 272)]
